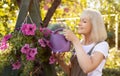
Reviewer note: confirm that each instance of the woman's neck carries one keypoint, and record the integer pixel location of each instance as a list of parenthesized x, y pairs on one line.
[(86, 40)]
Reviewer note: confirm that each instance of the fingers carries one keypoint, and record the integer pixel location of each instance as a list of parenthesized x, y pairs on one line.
[(58, 55), (66, 33)]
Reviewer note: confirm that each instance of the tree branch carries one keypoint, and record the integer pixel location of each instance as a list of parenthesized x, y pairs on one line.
[(51, 12)]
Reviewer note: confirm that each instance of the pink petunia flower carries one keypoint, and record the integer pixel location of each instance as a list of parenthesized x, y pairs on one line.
[(41, 29), (46, 32), (46, 7), (66, 9), (3, 45), (16, 65), (33, 52), (42, 43), (24, 29), (28, 29), (29, 57), (47, 43), (52, 60), (7, 37), (25, 49)]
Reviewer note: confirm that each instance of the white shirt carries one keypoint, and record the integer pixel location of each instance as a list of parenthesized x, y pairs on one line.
[(102, 47)]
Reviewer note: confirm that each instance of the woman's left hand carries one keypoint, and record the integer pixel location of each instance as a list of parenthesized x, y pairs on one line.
[(69, 35)]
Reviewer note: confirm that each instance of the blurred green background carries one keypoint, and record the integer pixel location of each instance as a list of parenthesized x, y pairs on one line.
[(68, 14)]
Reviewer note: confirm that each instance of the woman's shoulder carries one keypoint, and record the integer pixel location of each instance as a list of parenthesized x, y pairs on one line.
[(103, 44), (102, 47)]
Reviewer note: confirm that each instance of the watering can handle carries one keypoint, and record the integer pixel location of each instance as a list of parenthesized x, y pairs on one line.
[(59, 29)]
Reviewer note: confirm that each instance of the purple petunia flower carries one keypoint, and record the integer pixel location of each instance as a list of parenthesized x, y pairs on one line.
[(28, 29), (25, 49), (42, 43), (16, 65), (52, 60)]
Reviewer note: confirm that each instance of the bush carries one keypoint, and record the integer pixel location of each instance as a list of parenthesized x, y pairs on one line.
[(112, 67), (111, 72)]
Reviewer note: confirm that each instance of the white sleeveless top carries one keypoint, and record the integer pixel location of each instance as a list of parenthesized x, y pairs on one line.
[(102, 47)]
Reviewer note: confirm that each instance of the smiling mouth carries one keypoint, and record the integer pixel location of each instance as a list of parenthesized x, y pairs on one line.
[(80, 28)]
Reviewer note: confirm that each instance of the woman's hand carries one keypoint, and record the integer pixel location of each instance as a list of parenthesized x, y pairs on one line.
[(59, 56), (69, 35)]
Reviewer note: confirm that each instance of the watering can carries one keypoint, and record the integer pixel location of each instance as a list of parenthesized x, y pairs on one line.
[(58, 41)]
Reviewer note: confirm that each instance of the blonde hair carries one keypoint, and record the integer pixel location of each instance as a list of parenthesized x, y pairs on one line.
[(98, 32)]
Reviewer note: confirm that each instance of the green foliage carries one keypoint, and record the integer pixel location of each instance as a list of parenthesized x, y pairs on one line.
[(112, 67), (113, 61), (7, 16), (110, 9), (111, 72)]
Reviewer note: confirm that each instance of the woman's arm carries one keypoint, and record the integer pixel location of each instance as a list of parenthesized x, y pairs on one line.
[(86, 62)]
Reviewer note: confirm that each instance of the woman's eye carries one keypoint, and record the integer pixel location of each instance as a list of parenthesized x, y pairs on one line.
[(84, 21)]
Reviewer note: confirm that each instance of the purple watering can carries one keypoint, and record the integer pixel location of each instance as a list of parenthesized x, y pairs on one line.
[(58, 42)]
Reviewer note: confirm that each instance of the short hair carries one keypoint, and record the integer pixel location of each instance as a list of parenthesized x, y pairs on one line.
[(98, 32)]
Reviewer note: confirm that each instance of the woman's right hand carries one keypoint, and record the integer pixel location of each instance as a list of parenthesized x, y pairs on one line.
[(59, 56)]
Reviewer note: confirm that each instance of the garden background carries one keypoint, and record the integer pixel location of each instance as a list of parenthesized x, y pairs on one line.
[(61, 12)]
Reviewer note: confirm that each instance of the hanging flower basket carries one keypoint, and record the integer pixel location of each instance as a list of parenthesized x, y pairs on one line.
[(27, 44)]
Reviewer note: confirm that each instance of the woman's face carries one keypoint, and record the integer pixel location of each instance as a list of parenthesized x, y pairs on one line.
[(85, 26)]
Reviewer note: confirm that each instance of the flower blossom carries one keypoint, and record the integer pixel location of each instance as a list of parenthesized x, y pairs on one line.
[(46, 7), (66, 9), (25, 49), (42, 42), (46, 32), (16, 65), (28, 29), (3, 45), (47, 43), (29, 57), (6, 37), (52, 60), (31, 54)]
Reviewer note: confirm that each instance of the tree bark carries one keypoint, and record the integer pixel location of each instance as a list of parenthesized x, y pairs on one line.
[(51, 12)]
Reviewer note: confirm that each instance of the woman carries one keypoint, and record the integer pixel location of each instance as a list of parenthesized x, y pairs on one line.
[(93, 32)]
